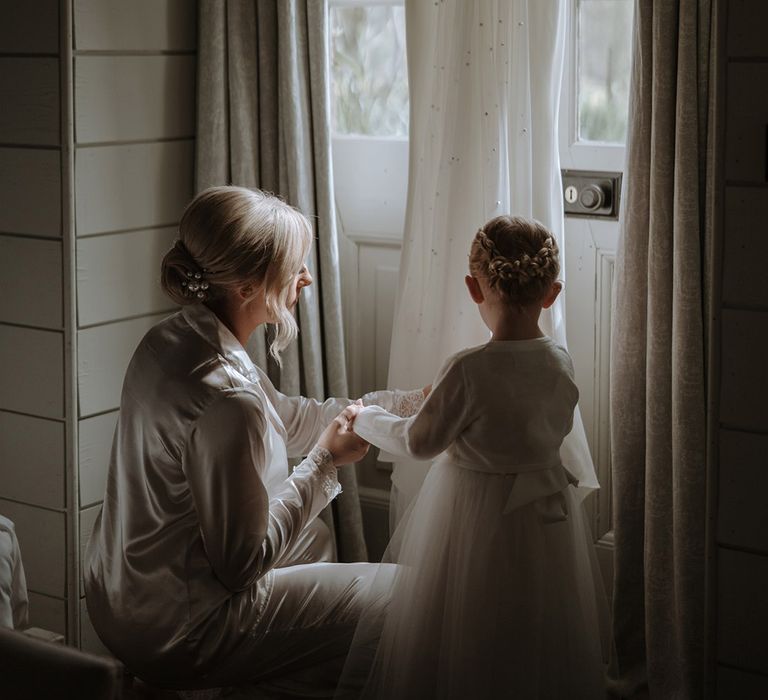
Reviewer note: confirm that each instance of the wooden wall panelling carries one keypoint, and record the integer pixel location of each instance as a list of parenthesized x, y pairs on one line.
[(41, 541), (30, 27), (148, 25), (370, 183), (87, 521), (119, 275), (744, 382), (126, 98), (30, 192), (30, 284), (735, 684), (385, 281), (745, 246), (746, 119), (742, 610), (47, 612), (29, 93), (132, 186), (103, 356), (31, 371), (32, 460), (747, 22), (89, 640), (95, 444), (376, 262), (742, 514)]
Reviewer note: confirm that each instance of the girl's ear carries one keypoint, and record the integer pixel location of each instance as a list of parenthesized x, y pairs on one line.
[(475, 291), (552, 294)]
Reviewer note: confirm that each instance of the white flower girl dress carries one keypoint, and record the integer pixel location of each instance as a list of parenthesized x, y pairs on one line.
[(497, 594)]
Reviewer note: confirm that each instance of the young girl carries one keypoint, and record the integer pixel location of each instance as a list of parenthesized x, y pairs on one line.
[(495, 596)]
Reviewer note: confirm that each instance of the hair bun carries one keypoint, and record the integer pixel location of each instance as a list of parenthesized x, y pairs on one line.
[(183, 279)]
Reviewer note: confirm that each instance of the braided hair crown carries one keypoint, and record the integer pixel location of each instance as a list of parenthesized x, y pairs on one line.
[(517, 256)]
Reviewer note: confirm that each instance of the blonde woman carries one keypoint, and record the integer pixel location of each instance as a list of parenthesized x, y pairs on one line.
[(199, 572)]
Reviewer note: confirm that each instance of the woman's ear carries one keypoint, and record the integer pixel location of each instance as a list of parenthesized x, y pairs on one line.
[(475, 290), (552, 294)]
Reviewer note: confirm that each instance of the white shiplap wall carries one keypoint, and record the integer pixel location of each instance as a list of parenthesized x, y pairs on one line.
[(134, 125), (32, 405), (742, 522), (111, 141)]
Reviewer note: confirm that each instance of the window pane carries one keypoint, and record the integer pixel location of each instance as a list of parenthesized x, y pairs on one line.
[(369, 79), (604, 54)]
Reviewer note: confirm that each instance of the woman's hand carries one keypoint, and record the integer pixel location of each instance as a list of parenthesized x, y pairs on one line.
[(340, 441)]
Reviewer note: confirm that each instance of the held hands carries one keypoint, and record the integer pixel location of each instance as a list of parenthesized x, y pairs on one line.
[(340, 441)]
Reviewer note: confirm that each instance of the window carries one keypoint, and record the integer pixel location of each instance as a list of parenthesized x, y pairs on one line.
[(369, 78), (603, 56)]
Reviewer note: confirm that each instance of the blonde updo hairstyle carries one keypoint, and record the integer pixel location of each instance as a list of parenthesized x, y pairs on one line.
[(230, 237), (518, 257)]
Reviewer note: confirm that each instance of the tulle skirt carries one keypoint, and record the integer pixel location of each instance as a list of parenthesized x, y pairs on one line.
[(485, 604)]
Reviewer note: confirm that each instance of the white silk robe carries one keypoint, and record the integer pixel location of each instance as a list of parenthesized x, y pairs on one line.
[(183, 572)]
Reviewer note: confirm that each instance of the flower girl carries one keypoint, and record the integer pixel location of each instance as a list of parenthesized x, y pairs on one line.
[(497, 593)]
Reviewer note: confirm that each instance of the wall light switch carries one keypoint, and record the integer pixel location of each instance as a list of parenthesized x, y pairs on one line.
[(591, 194)]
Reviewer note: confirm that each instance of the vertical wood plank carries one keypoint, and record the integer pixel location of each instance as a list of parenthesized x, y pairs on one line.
[(30, 192), (29, 93), (148, 25), (742, 518), (107, 104), (118, 276), (742, 610), (48, 613), (746, 119), (747, 22), (132, 186), (41, 541), (103, 356), (30, 284), (743, 383), (30, 27), (31, 371), (745, 246), (734, 684), (95, 445), (32, 460)]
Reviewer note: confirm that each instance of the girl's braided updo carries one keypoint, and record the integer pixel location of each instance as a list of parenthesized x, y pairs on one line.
[(518, 257)]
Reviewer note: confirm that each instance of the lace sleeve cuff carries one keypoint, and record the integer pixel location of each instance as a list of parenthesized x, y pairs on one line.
[(320, 463), (407, 403), (403, 404)]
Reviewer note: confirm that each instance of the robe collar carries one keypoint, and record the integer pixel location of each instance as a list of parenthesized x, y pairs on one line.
[(208, 325)]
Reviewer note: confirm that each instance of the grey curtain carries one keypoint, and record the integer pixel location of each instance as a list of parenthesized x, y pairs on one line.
[(658, 402), (263, 120)]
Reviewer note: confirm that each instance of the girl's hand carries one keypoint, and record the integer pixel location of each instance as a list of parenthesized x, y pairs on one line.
[(340, 441), (351, 411), (426, 390)]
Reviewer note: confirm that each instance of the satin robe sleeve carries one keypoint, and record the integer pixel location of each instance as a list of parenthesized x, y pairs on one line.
[(244, 532), (438, 422)]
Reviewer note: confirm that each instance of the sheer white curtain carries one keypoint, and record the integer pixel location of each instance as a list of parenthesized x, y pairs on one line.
[(485, 85)]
